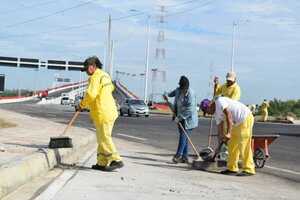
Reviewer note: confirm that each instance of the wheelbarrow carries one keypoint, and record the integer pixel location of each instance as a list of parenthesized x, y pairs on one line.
[(260, 148)]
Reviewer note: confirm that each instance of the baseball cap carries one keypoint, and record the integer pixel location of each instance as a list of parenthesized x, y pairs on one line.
[(94, 60), (231, 76), (204, 104)]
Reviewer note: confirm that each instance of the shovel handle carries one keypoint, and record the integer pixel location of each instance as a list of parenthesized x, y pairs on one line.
[(71, 122)]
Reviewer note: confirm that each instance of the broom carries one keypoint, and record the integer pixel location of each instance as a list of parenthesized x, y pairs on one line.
[(63, 141)]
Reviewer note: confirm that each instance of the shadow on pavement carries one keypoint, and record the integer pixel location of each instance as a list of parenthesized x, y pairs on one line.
[(166, 166), (72, 166), (157, 154), (35, 146), (143, 158)]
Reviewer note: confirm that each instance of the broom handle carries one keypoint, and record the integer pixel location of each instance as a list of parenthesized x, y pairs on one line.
[(210, 131), (71, 122), (183, 129)]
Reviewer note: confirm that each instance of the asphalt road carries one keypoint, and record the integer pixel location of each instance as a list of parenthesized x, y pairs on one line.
[(160, 131)]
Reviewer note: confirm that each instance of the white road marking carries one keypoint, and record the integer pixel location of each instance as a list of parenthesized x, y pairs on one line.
[(127, 136), (56, 186), (61, 181), (133, 137), (283, 170)]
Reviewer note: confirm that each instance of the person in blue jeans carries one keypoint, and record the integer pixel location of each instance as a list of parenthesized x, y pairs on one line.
[(185, 112)]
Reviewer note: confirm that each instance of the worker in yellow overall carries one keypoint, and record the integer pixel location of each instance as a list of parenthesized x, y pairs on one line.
[(103, 112), (238, 134), (230, 89), (264, 110)]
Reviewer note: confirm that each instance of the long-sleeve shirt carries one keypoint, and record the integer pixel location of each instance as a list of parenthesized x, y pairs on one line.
[(233, 92), (98, 97), (186, 107)]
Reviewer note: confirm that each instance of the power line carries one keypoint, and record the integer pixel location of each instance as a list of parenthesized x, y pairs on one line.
[(100, 22), (28, 6), (191, 8), (72, 27), (183, 3), (49, 15)]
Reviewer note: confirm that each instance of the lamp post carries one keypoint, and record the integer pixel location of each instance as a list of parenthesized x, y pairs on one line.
[(147, 61)]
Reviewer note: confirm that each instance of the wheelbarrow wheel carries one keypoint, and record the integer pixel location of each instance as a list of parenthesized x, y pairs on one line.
[(259, 158)]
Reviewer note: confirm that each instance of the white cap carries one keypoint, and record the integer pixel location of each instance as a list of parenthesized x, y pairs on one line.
[(231, 76)]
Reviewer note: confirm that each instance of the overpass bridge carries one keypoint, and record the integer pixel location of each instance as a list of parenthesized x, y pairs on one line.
[(121, 92)]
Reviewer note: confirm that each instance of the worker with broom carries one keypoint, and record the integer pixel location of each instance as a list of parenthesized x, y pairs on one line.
[(103, 112), (185, 113), (230, 89), (238, 135)]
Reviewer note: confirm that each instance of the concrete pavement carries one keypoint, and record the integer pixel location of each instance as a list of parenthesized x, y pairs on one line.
[(148, 174), (25, 152)]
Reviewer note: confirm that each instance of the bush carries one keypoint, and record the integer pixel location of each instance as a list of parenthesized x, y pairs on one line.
[(285, 108)]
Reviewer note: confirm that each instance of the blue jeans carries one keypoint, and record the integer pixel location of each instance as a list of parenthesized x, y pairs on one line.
[(183, 144)]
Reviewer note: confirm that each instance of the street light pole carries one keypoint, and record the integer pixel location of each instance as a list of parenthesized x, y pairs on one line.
[(147, 60), (111, 66), (233, 46), (108, 54)]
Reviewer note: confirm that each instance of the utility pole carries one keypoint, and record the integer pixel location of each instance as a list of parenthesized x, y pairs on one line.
[(108, 55), (147, 61), (233, 46), (111, 62), (19, 79)]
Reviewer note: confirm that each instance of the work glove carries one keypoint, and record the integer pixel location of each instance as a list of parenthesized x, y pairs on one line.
[(216, 80), (165, 96), (79, 109), (177, 120), (173, 118), (226, 137)]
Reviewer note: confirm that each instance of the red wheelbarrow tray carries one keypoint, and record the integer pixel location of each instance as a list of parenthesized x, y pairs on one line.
[(263, 141)]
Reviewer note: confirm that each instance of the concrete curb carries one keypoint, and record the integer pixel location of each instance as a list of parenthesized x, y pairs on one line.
[(17, 173)]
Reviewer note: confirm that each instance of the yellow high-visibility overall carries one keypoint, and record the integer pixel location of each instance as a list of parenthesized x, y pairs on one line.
[(103, 112), (232, 92), (264, 111), (239, 145)]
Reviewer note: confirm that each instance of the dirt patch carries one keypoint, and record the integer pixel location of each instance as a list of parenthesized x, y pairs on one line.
[(5, 124)]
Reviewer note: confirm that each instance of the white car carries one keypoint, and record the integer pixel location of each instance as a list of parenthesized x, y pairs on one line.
[(134, 107), (65, 101)]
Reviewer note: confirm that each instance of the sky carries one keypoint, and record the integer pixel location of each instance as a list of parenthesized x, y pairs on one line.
[(198, 42)]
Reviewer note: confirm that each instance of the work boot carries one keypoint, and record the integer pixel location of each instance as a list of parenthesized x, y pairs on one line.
[(185, 159), (228, 172), (99, 167), (115, 165), (177, 159), (244, 173)]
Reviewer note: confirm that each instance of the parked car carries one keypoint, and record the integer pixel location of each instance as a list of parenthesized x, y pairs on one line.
[(65, 101), (134, 107)]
